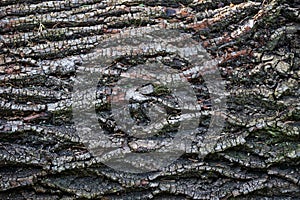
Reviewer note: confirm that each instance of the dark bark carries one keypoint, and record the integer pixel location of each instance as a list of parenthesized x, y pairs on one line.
[(43, 43)]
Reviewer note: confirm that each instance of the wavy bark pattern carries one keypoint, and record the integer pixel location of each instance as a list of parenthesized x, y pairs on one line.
[(43, 43)]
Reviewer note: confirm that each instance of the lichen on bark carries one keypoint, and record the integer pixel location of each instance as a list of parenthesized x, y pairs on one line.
[(43, 44)]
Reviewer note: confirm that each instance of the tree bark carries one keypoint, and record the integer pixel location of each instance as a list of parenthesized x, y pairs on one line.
[(44, 43)]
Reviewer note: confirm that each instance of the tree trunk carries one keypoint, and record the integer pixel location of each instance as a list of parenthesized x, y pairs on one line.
[(44, 44)]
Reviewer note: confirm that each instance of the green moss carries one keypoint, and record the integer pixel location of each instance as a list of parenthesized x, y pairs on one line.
[(169, 129), (160, 90), (62, 116)]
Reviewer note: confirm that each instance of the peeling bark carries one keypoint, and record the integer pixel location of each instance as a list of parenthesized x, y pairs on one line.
[(44, 43)]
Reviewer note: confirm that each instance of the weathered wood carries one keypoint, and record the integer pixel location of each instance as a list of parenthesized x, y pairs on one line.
[(43, 44)]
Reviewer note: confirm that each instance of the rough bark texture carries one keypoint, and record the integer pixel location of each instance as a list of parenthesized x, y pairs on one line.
[(42, 44)]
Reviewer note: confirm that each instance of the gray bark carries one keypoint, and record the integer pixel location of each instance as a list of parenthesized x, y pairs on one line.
[(44, 43)]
